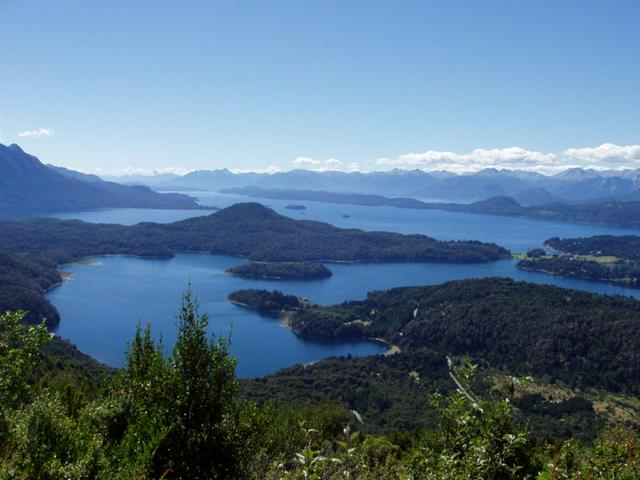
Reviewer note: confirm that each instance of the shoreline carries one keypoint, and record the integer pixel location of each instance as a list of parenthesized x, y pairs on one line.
[(284, 319)]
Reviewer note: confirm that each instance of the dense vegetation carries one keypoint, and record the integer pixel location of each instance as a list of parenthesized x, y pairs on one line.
[(604, 258), (282, 270), (250, 230), (22, 285), (621, 273), (264, 301), (179, 417), (579, 338), (626, 247), (618, 213)]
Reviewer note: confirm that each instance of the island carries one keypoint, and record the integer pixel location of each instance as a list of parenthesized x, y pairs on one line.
[(248, 230), (295, 207), (615, 213), (281, 270), (604, 258), (265, 301)]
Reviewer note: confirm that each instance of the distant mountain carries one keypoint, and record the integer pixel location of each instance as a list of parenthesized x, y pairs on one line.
[(575, 185), (615, 213), (26, 184), (211, 180)]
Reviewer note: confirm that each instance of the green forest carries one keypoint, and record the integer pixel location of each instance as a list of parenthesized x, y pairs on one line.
[(182, 415), (30, 250), (282, 270)]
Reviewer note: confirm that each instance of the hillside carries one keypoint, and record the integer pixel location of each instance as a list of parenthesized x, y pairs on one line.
[(581, 349), (22, 286), (581, 339), (27, 185), (248, 230)]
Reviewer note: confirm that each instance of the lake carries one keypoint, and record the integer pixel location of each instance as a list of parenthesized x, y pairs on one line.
[(102, 304)]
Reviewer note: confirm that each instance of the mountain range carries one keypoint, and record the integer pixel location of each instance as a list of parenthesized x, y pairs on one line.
[(26, 185), (575, 185)]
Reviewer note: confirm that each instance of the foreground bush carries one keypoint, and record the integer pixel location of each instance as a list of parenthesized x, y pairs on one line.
[(178, 416)]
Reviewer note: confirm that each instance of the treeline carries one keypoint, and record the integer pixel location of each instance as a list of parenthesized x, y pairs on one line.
[(579, 338), (626, 247), (180, 416), (281, 270), (623, 273), (265, 301), (391, 392), (23, 282), (249, 230)]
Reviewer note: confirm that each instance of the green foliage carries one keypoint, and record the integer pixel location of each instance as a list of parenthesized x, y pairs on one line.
[(23, 279), (264, 301), (580, 338), (282, 270), (247, 229), (621, 273), (180, 417), (19, 348)]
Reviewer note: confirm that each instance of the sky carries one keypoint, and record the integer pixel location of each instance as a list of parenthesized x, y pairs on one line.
[(165, 86)]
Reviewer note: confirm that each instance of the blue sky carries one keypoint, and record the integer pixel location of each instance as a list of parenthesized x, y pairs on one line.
[(113, 85)]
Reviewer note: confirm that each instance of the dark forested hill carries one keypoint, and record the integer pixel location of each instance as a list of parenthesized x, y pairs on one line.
[(248, 229), (22, 285), (28, 185), (579, 338)]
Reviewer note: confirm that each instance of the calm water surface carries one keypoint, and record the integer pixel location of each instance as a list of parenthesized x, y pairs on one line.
[(102, 304)]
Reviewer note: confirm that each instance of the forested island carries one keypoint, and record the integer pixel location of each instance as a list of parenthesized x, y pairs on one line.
[(604, 258), (281, 270), (295, 207), (264, 301), (615, 213), (34, 247)]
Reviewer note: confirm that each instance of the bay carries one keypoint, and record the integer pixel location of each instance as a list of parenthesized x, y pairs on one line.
[(102, 304)]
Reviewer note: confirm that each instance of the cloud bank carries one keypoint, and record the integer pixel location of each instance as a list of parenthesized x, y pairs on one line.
[(605, 156), (331, 164)]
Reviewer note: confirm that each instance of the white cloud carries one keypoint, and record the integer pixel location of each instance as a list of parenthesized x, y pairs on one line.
[(41, 132), (331, 164), (145, 172), (607, 155), (303, 161), (269, 170), (478, 159)]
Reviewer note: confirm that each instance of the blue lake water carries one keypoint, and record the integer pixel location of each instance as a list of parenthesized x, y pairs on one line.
[(102, 304)]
